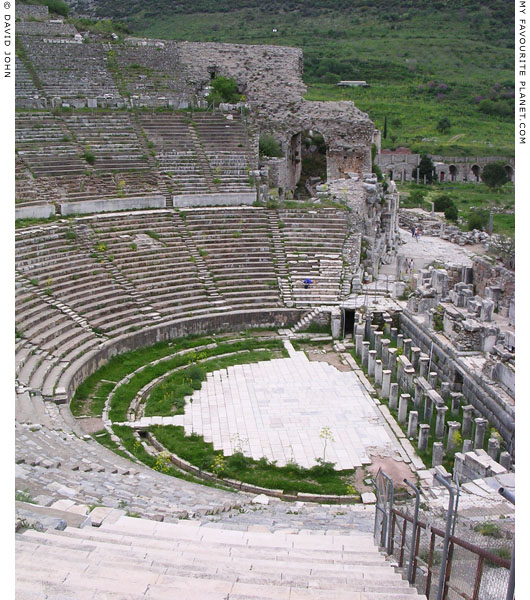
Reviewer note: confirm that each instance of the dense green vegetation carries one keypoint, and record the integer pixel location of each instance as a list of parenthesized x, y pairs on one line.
[(427, 63)]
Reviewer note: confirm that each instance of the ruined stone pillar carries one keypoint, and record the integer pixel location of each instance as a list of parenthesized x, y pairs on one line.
[(392, 359), (424, 366), (412, 428), (440, 421), (432, 379), (399, 341), (384, 352), (407, 345), (385, 385), (378, 376), (493, 448), (393, 396), (371, 363), (418, 395), (505, 460), (373, 331), (437, 454), (445, 390), (423, 438), (408, 376), (364, 354), (359, 345), (387, 327), (393, 333), (403, 406), (427, 408), (480, 428), (378, 336), (454, 426), (467, 412), (456, 398), (467, 446), (415, 357)]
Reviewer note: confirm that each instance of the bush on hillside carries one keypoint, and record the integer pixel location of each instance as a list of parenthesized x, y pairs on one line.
[(478, 219), (224, 89), (451, 213), (442, 202), (268, 146)]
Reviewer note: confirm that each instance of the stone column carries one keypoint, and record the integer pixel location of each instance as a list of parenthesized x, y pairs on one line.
[(378, 373), (412, 428), (393, 396), (440, 421), (366, 348), (385, 385), (454, 426), (437, 454), (432, 379), (387, 327), (418, 395), (371, 363), (373, 331), (505, 460), (427, 408), (384, 352), (493, 448), (407, 345), (456, 398), (359, 344), (467, 446), (466, 419), (399, 342), (445, 390), (378, 347), (424, 366), (415, 357), (480, 428), (408, 376), (393, 333), (403, 405), (423, 438), (392, 359)]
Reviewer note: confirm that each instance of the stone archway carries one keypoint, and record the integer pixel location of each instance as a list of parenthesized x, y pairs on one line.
[(453, 172), (509, 172), (313, 163), (475, 169)]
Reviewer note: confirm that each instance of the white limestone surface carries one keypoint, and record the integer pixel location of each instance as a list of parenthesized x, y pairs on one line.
[(277, 409)]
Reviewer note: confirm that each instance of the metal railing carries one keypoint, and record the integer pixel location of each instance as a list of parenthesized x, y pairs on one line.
[(442, 565)]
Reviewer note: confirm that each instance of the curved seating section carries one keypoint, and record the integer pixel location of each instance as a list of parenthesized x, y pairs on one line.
[(314, 242)]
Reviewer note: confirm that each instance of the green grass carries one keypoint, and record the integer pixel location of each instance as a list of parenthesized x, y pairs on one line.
[(290, 478)]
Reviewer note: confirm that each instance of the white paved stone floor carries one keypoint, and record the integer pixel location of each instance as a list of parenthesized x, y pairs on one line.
[(278, 408)]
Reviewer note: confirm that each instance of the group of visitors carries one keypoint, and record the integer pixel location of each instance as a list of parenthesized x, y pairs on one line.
[(415, 233)]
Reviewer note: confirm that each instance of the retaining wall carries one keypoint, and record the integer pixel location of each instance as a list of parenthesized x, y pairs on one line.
[(35, 211), (111, 204), (228, 199)]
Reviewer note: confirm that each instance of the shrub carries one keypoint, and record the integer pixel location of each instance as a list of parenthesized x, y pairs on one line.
[(89, 156), (268, 146), (57, 6), (442, 202), (478, 219), (224, 89), (451, 213), (494, 175), (444, 125), (378, 173)]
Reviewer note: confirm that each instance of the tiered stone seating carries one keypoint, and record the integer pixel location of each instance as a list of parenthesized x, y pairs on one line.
[(25, 90), (135, 558), (150, 251), (313, 243), (25, 188), (112, 139), (237, 248), (75, 278), (176, 153), (153, 74), (72, 70), (225, 145), (46, 146)]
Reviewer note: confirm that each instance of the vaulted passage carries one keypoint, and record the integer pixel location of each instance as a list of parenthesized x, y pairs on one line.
[(313, 151)]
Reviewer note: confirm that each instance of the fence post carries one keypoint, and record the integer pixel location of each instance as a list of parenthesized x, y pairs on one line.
[(448, 527), (390, 507), (414, 529), (511, 581)]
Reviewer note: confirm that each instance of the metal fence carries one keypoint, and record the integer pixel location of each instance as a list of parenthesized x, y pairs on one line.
[(445, 557)]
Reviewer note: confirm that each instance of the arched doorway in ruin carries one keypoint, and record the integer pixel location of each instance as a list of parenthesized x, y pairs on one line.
[(509, 172), (453, 172), (313, 154), (475, 169)]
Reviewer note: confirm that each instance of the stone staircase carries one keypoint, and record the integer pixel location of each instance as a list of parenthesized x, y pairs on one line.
[(284, 278), (128, 558), (307, 319)]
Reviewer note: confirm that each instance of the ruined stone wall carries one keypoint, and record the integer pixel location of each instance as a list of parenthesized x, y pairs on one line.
[(28, 11), (490, 275)]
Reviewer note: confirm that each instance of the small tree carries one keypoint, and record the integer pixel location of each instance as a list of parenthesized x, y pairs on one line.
[(451, 213), (224, 89), (268, 146), (327, 435), (426, 169), (444, 125), (494, 175)]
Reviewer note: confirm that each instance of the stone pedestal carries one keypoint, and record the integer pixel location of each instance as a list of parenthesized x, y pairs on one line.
[(437, 454), (387, 327), (413, 424), (407, 379), (454, 426), (407, 345), (493, 448), (359, 344), (399, 341), (480, 428), (393, 333), (378, 376), (384, 352), (423, 438), (418, 395), (393, 396), (456, 401), (365, 350), (427, 408), (385, 384), (424, 366), (392, 359), (467, 446), (440, 421), (373, 331), (505, 460), (433, 376), (336, 323), (445, 390), (371, 363), (403, 406), (467, 417), (415, 357), (378, 338)]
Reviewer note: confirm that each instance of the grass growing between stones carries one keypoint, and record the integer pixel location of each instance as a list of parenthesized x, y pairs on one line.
[(320, 479)]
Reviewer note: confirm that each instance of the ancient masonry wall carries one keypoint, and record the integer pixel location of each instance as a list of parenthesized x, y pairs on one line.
[(233, 321), (487, 275), (445, 362)]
